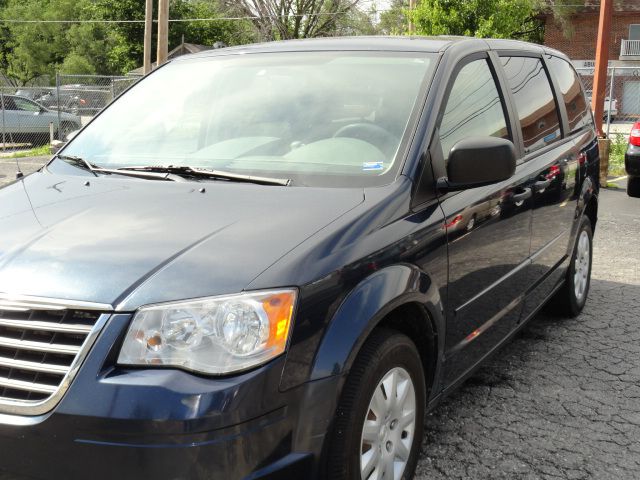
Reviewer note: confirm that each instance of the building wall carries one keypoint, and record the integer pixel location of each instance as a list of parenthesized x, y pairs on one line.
[(582, 44)]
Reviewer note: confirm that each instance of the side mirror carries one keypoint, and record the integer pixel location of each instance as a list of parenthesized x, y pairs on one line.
[(479, 161)]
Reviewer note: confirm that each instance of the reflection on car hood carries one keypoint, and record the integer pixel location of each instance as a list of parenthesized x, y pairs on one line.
[(133, 242)]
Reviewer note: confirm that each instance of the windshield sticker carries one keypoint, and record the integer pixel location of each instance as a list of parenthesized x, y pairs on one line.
[(366, 166)]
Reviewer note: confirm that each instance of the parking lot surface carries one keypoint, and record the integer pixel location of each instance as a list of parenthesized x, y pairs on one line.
[(562, 400)]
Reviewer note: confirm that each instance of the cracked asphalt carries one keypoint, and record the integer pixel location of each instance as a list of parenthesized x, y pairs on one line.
[(562, 400)]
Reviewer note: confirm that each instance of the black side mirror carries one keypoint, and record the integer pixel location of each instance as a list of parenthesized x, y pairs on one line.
[(479, 161)]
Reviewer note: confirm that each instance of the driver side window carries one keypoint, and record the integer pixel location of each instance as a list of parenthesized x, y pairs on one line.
[(26, 105), (474, 108)]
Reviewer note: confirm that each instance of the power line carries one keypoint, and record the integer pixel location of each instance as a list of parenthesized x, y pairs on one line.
[(210, 19)]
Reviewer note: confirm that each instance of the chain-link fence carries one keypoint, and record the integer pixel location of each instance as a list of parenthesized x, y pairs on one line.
[(622, 98), (33, 116)]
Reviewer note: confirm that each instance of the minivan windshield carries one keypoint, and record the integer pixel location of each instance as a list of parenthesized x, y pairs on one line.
[(316, 118)]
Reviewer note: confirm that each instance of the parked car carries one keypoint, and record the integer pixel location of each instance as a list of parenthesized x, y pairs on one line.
[(610, 107), (32, 93), (632, 161), (77, 99), (245, 266), (25, 121)]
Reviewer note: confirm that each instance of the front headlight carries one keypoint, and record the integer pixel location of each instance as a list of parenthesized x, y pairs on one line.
[(211, 335)]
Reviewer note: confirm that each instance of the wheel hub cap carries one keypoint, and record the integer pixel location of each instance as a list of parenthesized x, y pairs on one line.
[(581, 266), (389, 426)]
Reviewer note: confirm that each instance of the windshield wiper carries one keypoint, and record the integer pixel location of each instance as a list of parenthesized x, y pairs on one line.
[(81, 162), (202, 172), (95, 169)]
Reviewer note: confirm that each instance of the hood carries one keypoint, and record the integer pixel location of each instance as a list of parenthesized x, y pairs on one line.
[(128, 242)]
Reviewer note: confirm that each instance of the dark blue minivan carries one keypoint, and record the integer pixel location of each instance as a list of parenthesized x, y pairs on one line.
[(271, 261)]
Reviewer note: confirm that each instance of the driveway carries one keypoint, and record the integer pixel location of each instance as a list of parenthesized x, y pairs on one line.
[(562, 400)]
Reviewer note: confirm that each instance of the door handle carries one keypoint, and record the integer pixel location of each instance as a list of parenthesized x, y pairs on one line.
[(519, 198), (541, 185)]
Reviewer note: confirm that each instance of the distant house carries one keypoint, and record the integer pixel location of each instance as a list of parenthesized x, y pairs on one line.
[(578, 40), (182, 49)]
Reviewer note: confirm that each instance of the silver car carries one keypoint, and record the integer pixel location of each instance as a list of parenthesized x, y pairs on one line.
[(25, 121)]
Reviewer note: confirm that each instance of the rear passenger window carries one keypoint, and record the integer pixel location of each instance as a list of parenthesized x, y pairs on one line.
[(473, 108), (534, 101), (577, 110)]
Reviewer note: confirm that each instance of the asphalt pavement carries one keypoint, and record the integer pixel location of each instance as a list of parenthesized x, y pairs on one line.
[(560, 401)]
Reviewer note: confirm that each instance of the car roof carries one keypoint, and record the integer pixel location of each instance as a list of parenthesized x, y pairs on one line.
[(377, 43)]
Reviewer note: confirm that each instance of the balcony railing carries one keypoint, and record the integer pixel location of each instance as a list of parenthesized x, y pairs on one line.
[(630, 48)]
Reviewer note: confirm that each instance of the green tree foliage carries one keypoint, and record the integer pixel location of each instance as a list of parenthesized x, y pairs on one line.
[(30, 51), (481, 18)]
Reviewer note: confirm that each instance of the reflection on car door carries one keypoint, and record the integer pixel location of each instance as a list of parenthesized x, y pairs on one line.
[(553, 163), (488, 228)]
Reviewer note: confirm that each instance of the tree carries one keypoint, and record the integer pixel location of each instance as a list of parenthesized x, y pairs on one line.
[(30, 51), (481, 18), (288, 19), (393, 21)]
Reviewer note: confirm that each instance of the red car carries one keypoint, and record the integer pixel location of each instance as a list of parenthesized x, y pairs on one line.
[(632, 161)]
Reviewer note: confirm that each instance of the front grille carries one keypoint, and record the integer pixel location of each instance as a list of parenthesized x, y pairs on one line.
[(39, 351)]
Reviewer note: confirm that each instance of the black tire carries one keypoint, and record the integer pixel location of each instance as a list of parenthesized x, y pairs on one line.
[(565, 302), (384, 351), (633, 187)]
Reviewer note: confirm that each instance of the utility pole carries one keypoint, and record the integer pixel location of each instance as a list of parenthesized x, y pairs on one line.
[(148, 35), (602, 63), (412, 6), (163, 31)]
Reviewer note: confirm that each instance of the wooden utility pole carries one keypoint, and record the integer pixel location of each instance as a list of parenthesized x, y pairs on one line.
[(163, 31), (148, 36), (412, 6), (602, 63)]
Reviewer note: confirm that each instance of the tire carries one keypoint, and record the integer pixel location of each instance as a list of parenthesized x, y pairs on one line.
[(633, 187), (386, 355), (572, 296)]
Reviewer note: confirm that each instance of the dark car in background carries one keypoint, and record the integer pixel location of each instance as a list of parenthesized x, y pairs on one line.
[(632, 161), (83, 100), (271, 261)]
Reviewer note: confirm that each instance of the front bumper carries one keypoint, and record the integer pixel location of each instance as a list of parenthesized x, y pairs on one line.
[(169, 424), (632, 160)]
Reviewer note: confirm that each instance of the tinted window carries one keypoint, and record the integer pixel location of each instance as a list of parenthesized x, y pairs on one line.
[(473, 107), (534, 101), (577, 109)]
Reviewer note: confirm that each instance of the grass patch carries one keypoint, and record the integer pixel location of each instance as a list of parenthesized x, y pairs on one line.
[(616, 154), (34, 152)]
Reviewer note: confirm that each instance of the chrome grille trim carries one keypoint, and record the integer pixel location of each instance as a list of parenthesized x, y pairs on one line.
[(42, 349), (47, 326), (33, 366), (39, 346), (27, 386), (23, 303)]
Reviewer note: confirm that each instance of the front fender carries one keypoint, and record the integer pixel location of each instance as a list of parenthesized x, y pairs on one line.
[(365, 306)]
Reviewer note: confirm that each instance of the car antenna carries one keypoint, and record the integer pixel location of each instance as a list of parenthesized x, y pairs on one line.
[(19, 173)]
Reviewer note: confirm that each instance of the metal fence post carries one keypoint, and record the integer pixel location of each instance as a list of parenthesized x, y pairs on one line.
[(58, 102), (4, 139), (613, 76)]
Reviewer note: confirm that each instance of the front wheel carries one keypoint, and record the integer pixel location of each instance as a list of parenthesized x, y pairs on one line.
[(570, 299), (380, 419)]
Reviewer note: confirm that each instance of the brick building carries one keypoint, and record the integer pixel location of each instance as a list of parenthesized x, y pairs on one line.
[(577, 38)]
